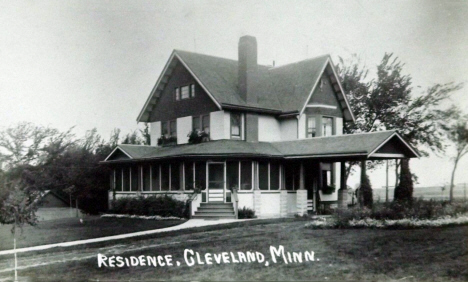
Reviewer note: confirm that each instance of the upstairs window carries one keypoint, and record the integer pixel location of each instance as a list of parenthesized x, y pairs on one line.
[(311, 127), (201, 123), (327, 123), (169, 128), (184, 92), (236, 124)]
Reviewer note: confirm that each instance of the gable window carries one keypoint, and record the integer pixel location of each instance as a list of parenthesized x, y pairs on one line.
[(184, 92), (311, 127), (236, 124), (327, 123)]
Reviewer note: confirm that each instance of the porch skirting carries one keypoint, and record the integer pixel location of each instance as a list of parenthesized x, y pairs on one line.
[(266, 204)]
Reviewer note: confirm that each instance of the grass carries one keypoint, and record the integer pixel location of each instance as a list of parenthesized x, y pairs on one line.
[(70, 229), (358, 254)]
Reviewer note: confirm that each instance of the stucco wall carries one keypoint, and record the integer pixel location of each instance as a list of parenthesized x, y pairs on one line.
[(184, 126), (288, 128), (217, 125), (245, 200), (270, 206), (302, 127), (268, 128), (155, 132)]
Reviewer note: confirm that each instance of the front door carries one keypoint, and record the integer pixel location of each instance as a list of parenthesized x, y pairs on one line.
[(216, 182)]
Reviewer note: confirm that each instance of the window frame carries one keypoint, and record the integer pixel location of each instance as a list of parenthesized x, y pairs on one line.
[(314, 118), (332, 125), (191, 90), (200, 123), (269, 176), (233, 136)]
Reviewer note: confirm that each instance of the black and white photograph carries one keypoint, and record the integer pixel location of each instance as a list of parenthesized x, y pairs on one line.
[(205, 140)]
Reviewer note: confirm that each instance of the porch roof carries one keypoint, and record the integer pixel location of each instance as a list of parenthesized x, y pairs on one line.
[(376, 145)]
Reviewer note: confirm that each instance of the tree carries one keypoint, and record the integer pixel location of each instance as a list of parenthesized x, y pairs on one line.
[(386, 102), (458, 135), (404, 191)]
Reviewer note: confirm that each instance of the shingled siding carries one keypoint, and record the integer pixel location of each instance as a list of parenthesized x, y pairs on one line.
[(324, 95), (167, 108)]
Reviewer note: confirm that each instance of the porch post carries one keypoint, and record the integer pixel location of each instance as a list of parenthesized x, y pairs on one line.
[(257, 194), (343, 192), (363, 177), (301, 200), (283, 196)]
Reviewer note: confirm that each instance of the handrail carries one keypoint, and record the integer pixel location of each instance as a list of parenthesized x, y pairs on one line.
[(236, 201)]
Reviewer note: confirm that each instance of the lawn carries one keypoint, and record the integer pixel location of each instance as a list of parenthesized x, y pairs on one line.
[(355, 254), (70, 229)]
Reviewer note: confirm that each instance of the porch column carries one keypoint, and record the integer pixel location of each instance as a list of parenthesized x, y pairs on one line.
[(363, 177), (257, 194), (343, 192), (301, 200)]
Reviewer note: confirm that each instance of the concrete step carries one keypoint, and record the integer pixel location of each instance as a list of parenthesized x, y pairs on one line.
[(214, 213), (217, 205), (212, 216), (215, 210)]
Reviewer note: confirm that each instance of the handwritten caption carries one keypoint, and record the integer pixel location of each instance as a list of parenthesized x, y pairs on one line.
[(191, 258)]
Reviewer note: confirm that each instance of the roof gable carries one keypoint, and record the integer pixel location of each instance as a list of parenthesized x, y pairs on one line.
[(282, 89)]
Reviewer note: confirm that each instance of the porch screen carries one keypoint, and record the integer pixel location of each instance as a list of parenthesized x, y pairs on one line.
[(200, 174), (188, 173), (175, 177), (126, 178), (246, 175), (232, 172), (292, 175), (274, 176), (146, 178), (135, 178), (118, 179), (216, 176), (165, 170), (263, 177), (155, 178)]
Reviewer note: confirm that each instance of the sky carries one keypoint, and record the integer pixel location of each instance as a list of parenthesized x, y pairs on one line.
[(92, 64)]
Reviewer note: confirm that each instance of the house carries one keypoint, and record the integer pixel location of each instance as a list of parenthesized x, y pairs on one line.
[(266, 138)]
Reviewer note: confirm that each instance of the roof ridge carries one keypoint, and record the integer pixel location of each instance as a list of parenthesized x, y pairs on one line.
[(216, 57), (297, 62)]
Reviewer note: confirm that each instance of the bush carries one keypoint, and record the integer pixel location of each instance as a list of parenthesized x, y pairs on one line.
[(246, 213), (420, 209), (150, 206)]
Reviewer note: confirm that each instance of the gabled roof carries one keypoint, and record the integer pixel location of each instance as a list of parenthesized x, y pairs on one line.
[(364, 145), (280, 90)]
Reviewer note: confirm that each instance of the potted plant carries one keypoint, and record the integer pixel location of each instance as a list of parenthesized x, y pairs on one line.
[(328, 189), (164, 140), (198, 136)]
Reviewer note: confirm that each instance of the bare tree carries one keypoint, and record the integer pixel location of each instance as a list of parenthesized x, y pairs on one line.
[(458, 135)]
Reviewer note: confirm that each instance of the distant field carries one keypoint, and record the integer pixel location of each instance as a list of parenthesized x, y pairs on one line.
[(460, 192)]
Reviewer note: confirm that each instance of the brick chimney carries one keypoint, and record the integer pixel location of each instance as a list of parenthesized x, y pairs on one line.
[(247, 68)]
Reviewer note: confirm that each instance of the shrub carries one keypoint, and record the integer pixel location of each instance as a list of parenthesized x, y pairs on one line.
[(421, 209), (162, 206), (246, 213)]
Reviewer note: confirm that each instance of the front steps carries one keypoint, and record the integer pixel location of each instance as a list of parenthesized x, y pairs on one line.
[(215, 211)]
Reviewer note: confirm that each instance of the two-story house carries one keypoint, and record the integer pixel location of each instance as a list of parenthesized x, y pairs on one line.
[(273, 136)]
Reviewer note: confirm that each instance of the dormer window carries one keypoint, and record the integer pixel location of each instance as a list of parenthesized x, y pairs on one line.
[(184, 92), (327, 123), (236, 123)]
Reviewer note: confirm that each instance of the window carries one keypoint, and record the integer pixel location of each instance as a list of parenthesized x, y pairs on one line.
[(268, 176), (236, 125), (192, 90), (173, 128), (311, 127), (201, 123), (246, 175), (177, 93), (327, 123), (184, 92), (327, 174)]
